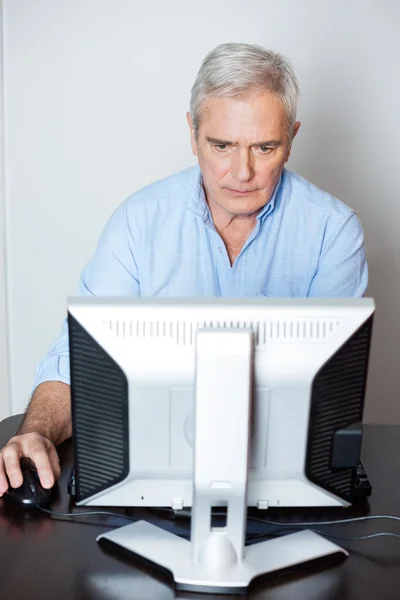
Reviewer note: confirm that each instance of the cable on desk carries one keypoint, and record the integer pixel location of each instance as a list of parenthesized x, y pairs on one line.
[(251, 537), (333, 522), (262, 536), (187, 514), (297, 526), (359, 538), (59, 516), (85, 514)]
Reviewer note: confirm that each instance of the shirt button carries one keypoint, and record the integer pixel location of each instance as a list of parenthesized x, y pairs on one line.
[(220, 250)]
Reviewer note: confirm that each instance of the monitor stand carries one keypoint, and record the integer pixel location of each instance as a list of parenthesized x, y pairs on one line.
[(216, 559)]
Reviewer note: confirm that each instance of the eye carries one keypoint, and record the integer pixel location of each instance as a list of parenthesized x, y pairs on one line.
[(221, 147), (265, 149)]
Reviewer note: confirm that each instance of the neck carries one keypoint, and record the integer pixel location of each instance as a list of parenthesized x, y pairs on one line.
[(241, 224), (224, 220)]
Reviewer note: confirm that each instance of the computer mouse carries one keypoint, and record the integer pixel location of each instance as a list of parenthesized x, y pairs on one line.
[(30, 493)]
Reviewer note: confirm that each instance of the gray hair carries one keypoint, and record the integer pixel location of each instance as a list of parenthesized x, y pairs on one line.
[(233, 70)]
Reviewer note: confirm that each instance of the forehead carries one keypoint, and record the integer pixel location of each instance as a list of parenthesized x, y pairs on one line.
[(259, 116)]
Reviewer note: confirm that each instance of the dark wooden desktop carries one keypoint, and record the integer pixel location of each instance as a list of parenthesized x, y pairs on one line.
[(41, 558)]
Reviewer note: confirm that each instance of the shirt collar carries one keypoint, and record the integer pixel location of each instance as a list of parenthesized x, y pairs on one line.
[(269, 207), (197, 199), (198, 203)]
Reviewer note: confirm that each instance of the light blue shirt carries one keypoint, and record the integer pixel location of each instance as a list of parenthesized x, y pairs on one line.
[(162, 242)]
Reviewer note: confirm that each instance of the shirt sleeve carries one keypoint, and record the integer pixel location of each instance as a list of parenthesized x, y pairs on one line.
[(112, 271), (342, 269)]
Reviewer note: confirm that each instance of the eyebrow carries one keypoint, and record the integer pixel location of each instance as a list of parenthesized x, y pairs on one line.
[(218, 142)]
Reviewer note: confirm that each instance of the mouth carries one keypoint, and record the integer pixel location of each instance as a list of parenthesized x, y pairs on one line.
[(240, 192)]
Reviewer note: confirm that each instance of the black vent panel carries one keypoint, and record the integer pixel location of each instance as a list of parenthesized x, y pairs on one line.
[(337, 401), (99, 393)]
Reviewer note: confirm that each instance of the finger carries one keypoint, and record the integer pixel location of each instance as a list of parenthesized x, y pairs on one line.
[(3, 477), (54, 461), (11, 458), (39, 454)]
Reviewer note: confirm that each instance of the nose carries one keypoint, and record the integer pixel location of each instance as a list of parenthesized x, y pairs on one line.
[(241, 165)]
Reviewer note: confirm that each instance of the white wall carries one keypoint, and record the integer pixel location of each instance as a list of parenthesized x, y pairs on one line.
[(5, 404), (96, 94)]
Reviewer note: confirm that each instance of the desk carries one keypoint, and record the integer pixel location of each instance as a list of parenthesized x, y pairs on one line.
[(46, 559)]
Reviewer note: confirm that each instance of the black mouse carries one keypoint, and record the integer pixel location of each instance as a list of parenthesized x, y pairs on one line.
[(30, 493)]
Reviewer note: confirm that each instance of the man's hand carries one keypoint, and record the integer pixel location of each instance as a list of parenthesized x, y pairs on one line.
[(46, 424), (36, 447)]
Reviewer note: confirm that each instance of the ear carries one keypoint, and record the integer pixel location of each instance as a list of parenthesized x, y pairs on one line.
[(192, 136), (296, 128)]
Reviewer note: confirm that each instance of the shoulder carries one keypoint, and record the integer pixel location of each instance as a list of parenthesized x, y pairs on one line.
[(150, 206), (310, 198), (160, 195), (319, 212)]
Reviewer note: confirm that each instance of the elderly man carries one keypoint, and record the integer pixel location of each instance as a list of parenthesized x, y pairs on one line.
[(238, 224)]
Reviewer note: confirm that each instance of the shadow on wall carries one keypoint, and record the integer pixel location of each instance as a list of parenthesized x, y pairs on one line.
[(334, 152)]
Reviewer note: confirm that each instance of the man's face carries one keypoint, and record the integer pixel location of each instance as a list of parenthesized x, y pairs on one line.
[(242, 147)]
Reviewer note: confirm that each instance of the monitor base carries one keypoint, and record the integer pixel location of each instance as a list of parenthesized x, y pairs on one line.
[(218, 570)]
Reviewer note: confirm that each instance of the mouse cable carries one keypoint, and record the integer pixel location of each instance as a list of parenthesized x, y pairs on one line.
[(86, 514)]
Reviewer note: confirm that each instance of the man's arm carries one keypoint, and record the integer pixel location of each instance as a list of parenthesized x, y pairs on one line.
[(47, 423), (49, 412)]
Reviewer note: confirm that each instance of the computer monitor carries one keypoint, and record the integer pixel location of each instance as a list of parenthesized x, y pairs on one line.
[(214, 401)]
